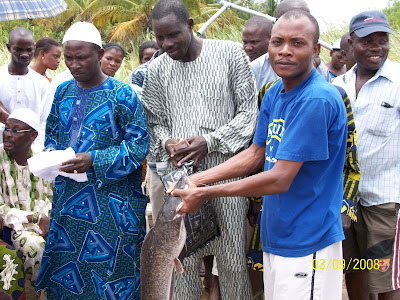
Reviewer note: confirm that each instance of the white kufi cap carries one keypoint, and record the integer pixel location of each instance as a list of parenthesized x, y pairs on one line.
[(84, 32), (27, 116)]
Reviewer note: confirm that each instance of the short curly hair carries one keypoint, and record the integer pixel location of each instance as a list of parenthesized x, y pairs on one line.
[(166, 7), (147, 45)]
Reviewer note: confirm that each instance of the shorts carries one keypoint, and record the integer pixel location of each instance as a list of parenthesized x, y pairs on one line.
[(377, 232), (351, 250), (300, 278)]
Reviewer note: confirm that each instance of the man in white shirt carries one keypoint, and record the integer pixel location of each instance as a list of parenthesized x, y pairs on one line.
[(373, 87), (255, 36), (22, 87), (261, 66)]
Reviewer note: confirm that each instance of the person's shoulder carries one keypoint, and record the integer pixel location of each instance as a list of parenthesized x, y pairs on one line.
[(223, 46), (319, 88), (38, 79), (63, 76), (273, 89), (391, 70), (118, 84), (341, 91), (161, 61), (259, 61), (339, 80), (140, 69), (222, 43)]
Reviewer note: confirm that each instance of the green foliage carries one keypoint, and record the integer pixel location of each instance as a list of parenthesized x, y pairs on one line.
[(264, 6), (392, 12), (39, 27)]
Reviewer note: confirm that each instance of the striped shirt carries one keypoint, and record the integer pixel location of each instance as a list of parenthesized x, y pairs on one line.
[(213, 96), (377, 116)]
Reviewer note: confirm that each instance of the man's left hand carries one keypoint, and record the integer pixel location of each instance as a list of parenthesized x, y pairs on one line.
[(346, 222), (196, 151), (80, 164)]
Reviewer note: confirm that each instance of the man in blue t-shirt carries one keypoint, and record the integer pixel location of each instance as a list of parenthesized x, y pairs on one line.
[(301, 139)]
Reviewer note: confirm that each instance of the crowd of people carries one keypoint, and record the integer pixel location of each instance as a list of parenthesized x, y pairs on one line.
[(298, 158)]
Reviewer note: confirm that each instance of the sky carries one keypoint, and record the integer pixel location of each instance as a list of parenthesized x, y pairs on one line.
[(340, 12)]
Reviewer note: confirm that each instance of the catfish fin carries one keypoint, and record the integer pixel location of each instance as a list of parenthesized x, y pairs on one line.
[(178, 265)]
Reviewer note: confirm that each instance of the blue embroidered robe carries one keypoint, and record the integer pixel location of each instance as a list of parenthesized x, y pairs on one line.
[(97, 227)]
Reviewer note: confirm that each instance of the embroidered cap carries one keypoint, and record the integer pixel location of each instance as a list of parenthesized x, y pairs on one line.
[(27, 116), (369, 22), (84, 32)]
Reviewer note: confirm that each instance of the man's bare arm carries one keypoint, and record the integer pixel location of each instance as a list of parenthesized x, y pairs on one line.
[(275, 181), (242, 164)]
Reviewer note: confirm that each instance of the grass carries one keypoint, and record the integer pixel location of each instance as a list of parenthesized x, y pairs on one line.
[(131, 60)]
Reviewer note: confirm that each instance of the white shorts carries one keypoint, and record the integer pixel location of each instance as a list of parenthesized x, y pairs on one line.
[(301, 278), (214, 270)]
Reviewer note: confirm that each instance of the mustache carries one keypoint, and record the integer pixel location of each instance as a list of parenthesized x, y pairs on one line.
[(284, 62)]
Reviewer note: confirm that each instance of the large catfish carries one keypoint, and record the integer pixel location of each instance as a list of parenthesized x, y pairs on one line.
[(161, 248)]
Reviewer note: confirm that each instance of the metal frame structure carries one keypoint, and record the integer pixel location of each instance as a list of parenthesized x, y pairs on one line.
[(226, 5)]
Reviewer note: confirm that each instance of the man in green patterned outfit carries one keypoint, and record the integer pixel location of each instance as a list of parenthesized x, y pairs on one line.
[(25, 200)]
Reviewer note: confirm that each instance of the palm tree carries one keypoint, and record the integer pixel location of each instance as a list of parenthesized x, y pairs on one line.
[(74, 10), (229, 20), (131, 18)]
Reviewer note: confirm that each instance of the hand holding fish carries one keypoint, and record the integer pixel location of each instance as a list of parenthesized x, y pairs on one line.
[(192, 199)]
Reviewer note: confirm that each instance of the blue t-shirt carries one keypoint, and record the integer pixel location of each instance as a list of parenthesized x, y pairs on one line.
[(307, 124)]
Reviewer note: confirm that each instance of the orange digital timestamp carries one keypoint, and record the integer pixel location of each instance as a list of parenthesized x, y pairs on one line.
[(334, 263)]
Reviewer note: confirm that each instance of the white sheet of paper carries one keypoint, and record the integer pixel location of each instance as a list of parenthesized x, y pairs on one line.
[(46, 165)]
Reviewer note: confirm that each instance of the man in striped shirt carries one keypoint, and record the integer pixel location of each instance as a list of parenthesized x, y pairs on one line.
[(373, 87), (203, 91)]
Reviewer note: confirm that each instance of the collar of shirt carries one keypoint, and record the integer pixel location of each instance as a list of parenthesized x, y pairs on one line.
[(387, 70)]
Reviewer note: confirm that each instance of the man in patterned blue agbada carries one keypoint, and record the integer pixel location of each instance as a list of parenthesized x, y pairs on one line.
[(97, 227)]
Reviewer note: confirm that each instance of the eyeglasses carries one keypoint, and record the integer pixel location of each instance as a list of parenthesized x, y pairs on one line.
[(15, 131)]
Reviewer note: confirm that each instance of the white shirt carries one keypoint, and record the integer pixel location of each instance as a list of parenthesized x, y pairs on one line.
[(60, 78), (31, 91), (377, 117), (263, 71), (324, 72)]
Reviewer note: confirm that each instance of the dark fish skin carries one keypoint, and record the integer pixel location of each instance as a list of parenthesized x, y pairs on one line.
[(161, 248)]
